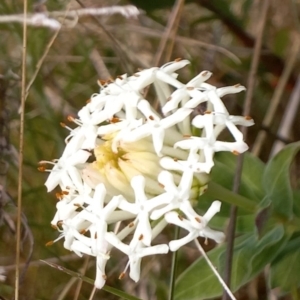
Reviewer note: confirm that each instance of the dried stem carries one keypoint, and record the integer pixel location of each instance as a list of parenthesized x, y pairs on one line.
[(277, 95), (239, 167), (21, 148)]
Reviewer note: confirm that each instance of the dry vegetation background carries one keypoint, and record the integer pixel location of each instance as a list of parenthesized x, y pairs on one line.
[(217, 35)]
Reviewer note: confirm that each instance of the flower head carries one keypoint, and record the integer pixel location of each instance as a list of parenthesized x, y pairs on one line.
[(125, 161)]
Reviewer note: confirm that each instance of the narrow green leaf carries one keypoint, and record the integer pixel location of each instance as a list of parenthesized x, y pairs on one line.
[(106, 288), (276, 181)]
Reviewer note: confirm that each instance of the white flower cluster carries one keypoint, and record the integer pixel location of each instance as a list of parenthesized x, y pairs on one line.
[(125, 162)]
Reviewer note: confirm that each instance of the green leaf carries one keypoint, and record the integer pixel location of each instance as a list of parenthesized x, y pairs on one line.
[(276, 181), (250, 257), (251, 181), (286, 273)]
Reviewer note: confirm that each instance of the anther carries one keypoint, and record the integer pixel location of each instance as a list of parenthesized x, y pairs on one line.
[(54, 226), (235, 152), (169, 98), (204, 73), (41, 168), (180, 217), (190, 88), (198, 219), (122, 275), (59, 223), (161, 185), (178, 59), (62, 124), (151, 118), (186, 135), (207, 112), (70, 119), (206, 241), (58, 195), (141, 237), (136, 75), (237, 85), (104, 276), (248, 118), (175, 159), (131, 224), (50, 243)]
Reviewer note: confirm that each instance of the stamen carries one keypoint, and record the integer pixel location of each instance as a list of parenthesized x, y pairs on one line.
[(131, 224), (198, 219), (122, 275), (178, 59), (151, 118), (237, 85), (141, 237), (204, 73), (190, 88), (50, 243), (248, 118), (42, 169), (235, 152), (207, 112), (70, 118), (180, 217), (169, 98)]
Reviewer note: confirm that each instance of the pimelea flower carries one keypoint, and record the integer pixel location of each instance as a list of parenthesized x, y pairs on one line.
[(143, 168)]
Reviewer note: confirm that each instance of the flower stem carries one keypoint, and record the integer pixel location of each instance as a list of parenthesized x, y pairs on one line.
[(219, 192), (173, 267)]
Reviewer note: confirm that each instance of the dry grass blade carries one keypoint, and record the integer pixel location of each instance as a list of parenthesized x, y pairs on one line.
[(239, 168), (21, 149), (277, 95)]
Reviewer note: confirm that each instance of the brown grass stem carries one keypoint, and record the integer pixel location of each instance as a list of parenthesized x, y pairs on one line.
[(239, 168)]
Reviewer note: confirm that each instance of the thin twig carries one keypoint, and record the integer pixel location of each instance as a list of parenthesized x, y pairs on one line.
[(170, 32), (181, 39), (93, 293), (168, 36), (239, 167), (82, 272), (277, 95), (40, 62), (288, 118), (115, 43), (226, 288), (48, 19), (21, 149)]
